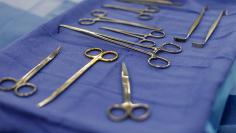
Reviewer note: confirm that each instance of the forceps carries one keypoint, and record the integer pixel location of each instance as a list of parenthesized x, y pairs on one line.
[(143, 14), (153, 57), (193, 27), (101, 17), (101, 56), (128, 107), (23, 82), (151, 2), (210, 31), (143, 38)]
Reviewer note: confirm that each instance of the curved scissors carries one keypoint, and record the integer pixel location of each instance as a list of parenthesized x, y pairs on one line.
[(101, 16), (127, 107), (100, 56), (143, 38), (143, 14), (22, 83), (154, 60)]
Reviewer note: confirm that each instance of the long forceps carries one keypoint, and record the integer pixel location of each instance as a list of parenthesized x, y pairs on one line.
[(210, 31), (144, 14), (23, 82), (193, 27), (101, 16), (143, 38), (152, 2), (128, 107), (101, 56), (153, 60)]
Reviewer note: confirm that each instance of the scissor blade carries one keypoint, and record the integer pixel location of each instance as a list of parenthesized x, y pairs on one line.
[(124, 71), (125, 82), (42, 64)]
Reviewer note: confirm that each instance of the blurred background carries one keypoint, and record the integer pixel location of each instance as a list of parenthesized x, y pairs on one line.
[(18, 17)]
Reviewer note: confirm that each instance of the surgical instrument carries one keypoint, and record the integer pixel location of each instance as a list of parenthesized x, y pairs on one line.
[(152, 60), (143, 38), (144, 14), (100, 16), (193, 27), (152, 2), (101, 56), (23, 82), (210, 31), (128, 107)]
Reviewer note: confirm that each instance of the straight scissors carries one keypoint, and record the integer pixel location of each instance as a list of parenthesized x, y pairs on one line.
[(144, 14), (154, 60), (143, 38), (22, 83), (127, 107), (101, 17), (101, 56)]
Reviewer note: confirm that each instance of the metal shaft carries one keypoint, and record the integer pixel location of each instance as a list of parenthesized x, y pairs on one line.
[(118, 21), (69, 82), (210, 31), (193, 27), (38, 67), (122, 8), (108, 38)]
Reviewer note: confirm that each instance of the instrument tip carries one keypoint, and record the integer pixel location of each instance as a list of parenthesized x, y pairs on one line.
[(124, 71), (58, 49), (41, 104), (198, 45), (180, 39), (226, 12)]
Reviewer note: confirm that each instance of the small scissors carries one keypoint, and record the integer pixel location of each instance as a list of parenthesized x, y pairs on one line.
[(154, 60), (143, 14), (101, 56), (143, 38), (127, 107), (101, 17), (22, 83)]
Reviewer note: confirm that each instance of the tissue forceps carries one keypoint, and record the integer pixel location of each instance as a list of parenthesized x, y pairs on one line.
[(210, 31), (100, 16), (101, 56), (193, 27), (143, 38), (144, 14), (128, 107), (23, 82), (152, 54)]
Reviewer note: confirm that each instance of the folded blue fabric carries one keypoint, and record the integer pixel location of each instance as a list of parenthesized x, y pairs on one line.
[(181, 97), (228, 124)]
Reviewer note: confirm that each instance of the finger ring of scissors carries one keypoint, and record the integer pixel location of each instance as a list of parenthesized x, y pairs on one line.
[(128, 108)]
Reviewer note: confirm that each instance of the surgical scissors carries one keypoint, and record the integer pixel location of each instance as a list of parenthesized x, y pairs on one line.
[(128, 107), (101, 17), (23, 82), (101, 56), (144, 14), (154, 60), (143, 38)]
